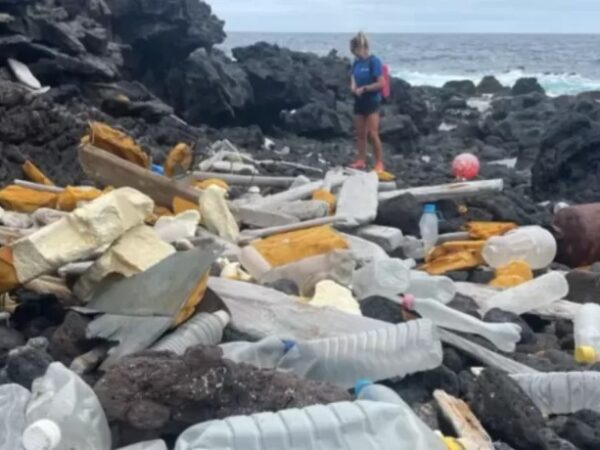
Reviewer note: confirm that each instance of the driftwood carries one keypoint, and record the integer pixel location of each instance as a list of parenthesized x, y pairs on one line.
[(472, 435), (447, 191), (39, 187)]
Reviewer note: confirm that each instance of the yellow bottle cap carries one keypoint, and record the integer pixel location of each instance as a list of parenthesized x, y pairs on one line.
[(586, 354), (452, 444)]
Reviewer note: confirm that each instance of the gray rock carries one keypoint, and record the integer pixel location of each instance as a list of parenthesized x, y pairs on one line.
[(9, 340), (584, 286), (527, 86), (489, 85), (25, 364)]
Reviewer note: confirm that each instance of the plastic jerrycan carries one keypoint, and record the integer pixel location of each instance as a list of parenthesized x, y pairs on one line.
[(533, 244), (587, 334)]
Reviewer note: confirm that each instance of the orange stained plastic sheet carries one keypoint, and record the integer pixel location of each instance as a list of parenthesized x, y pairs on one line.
[(20, 199), (513, 274), (67, 200), (204, 184), (193, 300), (485, 230), (181, 204), (117, 143), (8, 274), (455, 255), (327, 197), (33, 173), (179, 160), (286, 248)]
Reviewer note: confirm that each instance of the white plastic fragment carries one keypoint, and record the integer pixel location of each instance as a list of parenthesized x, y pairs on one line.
[(182, 226), (357, 200), (216, 215)]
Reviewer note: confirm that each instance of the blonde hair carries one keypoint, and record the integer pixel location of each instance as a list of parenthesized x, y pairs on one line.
[(359, 41)]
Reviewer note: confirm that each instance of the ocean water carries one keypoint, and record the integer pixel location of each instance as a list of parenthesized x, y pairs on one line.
[(563, 64)]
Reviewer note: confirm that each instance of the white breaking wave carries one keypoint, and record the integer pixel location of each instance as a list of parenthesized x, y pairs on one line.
[(554, 83)]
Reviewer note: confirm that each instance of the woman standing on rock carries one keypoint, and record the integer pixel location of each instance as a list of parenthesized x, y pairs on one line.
[(367, 83)]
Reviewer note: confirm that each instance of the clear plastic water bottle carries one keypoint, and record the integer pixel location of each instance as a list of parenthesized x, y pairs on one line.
[(61, 400), (158, 444), (587, 334), (424, 437), (534, 294), (388, 277), (202, 329), (423, 285), (533, 244), (562, 392), (429, 227), (503, 335), (13, 401), (264, 354), (360, 425)]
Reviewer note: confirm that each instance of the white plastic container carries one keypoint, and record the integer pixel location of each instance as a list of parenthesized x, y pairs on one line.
[(534, 294), (503, 335), (62, 397), (587, 334), (264, 354), (533, 244), (383, 277), (13, 401), (388, 352), (429, 226), (158, 444), (201, 329), (423, 285), (424, 437), (562, 392), (42, 435), (360, 425)]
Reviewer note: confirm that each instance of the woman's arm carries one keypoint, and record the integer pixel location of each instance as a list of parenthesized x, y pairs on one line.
[(377, 86), (353, 84)]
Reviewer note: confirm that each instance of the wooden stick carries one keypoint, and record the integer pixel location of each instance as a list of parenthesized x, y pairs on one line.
[(447, 191), (38, 186), (272, 162), (471, 433), (249, 235), (246, 180), (111, 170)]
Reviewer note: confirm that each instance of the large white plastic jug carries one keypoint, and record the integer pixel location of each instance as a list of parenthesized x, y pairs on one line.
[(533, 244), (13, 400)]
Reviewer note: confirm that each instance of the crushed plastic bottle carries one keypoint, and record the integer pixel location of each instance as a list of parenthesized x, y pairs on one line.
[(429, 226), (587, 334), (158, 444), (264, 354), (423, 285), (388, 352), (360, 425), (202, 329), (60, 396), (503, 335), (534, 294), (13, 401), (533, 244), (421, 435), (562, 392), (388, 278)]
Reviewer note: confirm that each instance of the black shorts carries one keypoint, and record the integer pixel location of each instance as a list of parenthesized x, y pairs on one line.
[(366, 105)]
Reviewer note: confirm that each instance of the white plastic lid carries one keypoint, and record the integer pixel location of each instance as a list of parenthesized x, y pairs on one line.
[(41, 435)]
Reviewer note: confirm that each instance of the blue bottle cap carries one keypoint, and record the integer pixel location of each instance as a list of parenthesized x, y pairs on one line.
[(157, 168), (288, 345), (360, 385), (429, 208)]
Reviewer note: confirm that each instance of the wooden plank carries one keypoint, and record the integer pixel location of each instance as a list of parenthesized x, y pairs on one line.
[(471, 433), (38, 186), (447, 191), (246, 180), (110, 170)]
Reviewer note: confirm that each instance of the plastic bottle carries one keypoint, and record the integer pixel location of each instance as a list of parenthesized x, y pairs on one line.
[(42, 435), (427, 439), (562, 392), (264, 354), (360, 425), (587, 334), (383, 277), (388, 352), (423, 285), (429, 226), (62, 397), (158, 444), (202, 329), (534, 294), (533, 244), (13, 401), (503, 335)]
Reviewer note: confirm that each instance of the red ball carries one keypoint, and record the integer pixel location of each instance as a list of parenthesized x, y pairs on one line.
[(465, 166)]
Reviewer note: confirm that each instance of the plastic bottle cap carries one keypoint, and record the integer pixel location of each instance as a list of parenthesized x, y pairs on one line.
[(288, 344), (156, 168), (429, 208), (223, 317), (360, 385), (41, 435), (452, 444), (586, 354), (408, 301)]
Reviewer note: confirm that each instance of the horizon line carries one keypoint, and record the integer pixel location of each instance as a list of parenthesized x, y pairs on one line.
[(495, 33)]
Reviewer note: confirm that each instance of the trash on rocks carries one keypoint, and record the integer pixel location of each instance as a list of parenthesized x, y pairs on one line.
[(46, 216), (89, 361), (454, 255), (364, 251), (216, 216), (423, 285), (153, 305), (486, 230), (357, 200), (529, 296), (157, 444), (233, 270), (300, 209), (325, 196), (513, 274), (248, 236), (13, 401), (35, 174), (587, 334), (447, 191), (428, 227), (329, 294), (364, 425), (24, 75), (65, 400), (116, 142), (73, 237), (16, 220), (201, 329), (388, 278), (179, 160), (137, 250), (264, 354), (260, 218), (562, 392), (388, 238), (25, 364), (533, 244), (576, 228), (181, 226), (20, 199)]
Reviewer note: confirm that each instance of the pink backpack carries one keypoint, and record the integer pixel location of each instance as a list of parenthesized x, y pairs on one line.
[(387, 84)]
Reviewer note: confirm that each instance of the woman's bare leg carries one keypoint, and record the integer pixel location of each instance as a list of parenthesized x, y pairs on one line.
[(360, 123), (372, 125)]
